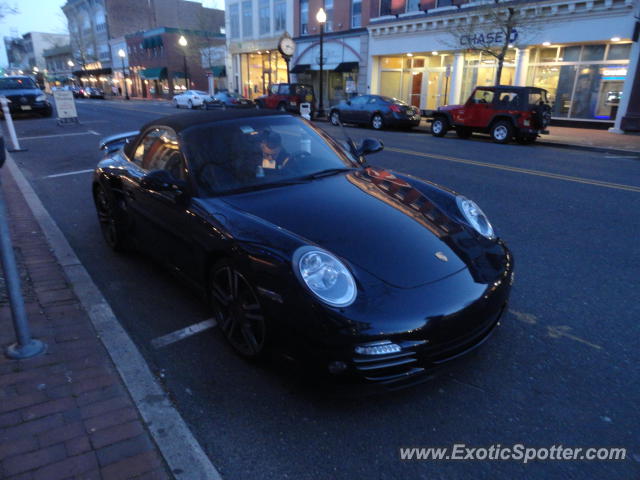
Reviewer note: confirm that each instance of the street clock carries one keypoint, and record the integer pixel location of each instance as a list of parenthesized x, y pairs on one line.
[(287, 46)]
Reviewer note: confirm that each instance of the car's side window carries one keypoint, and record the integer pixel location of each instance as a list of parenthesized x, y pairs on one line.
[(360, 100), (274, 89), (164, 154), (483, 96), (142, 149), (284, 89)]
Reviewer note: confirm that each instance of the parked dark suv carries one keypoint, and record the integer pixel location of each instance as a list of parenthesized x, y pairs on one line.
[(287, 97), (503, 112), (376, 111), (25, 96)]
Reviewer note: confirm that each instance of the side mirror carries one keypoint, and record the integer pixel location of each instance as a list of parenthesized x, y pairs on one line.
[(369, 146), (162, 181)]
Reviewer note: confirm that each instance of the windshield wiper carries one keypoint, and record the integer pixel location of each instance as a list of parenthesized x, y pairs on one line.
[(262, 186), (326, 173)]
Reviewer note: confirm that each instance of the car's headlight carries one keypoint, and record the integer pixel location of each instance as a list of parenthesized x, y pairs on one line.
[(41, 98), (475, 217), (325, 275)]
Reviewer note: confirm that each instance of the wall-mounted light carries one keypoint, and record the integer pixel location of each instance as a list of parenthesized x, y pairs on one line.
[(546, 44), (615, 39), (434, 53), (409, 54)]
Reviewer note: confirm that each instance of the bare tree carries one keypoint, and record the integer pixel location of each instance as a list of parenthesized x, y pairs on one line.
[(6, 9), (491, 29)]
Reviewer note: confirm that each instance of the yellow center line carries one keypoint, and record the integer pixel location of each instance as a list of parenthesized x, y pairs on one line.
[(537, 173)]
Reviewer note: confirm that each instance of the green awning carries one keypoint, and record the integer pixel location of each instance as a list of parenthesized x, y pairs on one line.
[(154, 73), (219, 71), (177, 74), (346, 67)]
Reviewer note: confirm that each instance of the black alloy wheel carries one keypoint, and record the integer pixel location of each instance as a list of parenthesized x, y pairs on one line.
[(111, 225), (237, 310)]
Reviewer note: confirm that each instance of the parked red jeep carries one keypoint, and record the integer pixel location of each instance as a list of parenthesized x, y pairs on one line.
[(287, 97), (503, 112)]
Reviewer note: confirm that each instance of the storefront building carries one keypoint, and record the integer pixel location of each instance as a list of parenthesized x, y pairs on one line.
[(254, 28), (156, 61), (579, 50)]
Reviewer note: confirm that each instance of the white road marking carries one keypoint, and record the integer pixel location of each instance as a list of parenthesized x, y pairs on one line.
[(183, 333), (93, 132), (90, 132), (76, 172), (621, 156)]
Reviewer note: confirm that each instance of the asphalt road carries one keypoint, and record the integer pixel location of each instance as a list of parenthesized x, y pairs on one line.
[(561, 369)]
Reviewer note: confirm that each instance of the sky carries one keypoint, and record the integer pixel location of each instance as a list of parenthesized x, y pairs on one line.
[(46, 16)]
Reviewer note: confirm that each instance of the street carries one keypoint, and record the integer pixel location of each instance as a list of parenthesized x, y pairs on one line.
[(560, 370)]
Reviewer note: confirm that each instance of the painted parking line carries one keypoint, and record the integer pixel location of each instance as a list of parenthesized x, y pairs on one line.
[(75, 172), (183, 333), (526, 171), (58, 135)]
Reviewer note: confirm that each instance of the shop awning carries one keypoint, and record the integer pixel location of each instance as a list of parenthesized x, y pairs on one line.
[(219, 71), (177, 74), (346, 67), (301, 68), (154, 73)]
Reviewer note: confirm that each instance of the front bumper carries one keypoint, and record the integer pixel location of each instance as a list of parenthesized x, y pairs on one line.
[(33, 107), (458, 315)]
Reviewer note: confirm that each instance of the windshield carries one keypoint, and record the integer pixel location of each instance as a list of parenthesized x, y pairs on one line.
[(247, 153), (16, 83)]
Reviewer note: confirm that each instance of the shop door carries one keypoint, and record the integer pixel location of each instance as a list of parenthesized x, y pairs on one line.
[(434, 87), (416, 89)]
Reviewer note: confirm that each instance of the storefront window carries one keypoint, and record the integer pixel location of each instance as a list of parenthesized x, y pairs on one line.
[(480, 70), (581, 88), (260, 70)]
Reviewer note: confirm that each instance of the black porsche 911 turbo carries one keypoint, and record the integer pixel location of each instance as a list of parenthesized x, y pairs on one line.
[(371, 275)]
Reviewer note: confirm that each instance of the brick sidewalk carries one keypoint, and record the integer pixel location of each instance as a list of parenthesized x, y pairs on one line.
[(65, 414)]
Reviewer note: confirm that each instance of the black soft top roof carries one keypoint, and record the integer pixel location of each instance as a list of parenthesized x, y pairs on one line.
[(182, 121), (510, 87)]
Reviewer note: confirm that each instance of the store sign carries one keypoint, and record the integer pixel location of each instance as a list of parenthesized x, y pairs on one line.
[(65, 105), (614, 72), (481, 39)]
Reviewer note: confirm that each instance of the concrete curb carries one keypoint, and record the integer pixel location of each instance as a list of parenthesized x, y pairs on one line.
[(176, 443)]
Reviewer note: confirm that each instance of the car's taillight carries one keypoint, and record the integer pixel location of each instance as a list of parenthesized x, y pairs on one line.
[(395, 108)]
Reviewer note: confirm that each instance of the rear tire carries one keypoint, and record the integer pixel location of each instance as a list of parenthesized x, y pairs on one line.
[(190, 105), (377, 122), (464, 132), (112, 219), (502, 131), (439, 127), (334, 116)]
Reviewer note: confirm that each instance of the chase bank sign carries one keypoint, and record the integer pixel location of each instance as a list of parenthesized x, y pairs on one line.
[(487, 38)]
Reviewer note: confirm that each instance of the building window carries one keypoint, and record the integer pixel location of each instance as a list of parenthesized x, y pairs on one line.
[(328, 8), (584, 82), (356, 13), (234, 20), (304, 17), (265, 19), (280, 14), (247, 19)]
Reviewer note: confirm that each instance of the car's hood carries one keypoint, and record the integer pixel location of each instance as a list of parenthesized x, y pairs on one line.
[(370, 218), (20, 91)]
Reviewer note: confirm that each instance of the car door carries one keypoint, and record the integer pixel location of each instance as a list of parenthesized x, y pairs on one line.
[(353, 112), (272, 97), (164, 211), (479, 108)]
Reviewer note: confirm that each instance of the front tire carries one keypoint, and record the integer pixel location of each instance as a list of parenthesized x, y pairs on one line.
[(377, 122), (502, 131), (190, 105), (439, 127), (237, 310)]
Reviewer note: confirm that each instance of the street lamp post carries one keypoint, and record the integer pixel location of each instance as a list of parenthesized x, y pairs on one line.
[(321, 17), (183, 43), (122, 54)]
